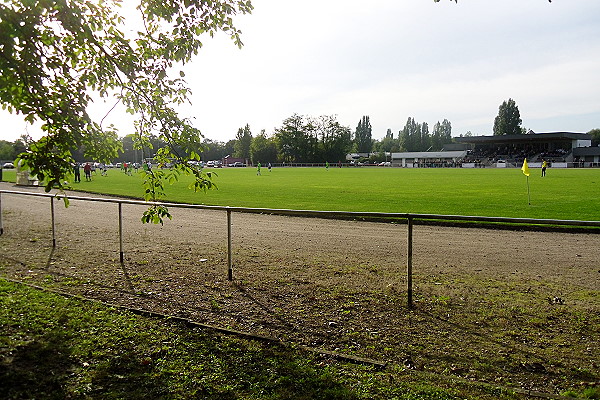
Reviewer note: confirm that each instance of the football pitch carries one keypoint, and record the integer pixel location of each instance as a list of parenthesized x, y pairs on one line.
[(572, 194)]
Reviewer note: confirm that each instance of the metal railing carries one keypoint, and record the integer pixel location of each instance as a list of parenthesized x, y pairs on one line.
[(411, 220)]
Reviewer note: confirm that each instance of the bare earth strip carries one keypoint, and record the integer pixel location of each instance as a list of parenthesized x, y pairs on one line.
[(514, 308)]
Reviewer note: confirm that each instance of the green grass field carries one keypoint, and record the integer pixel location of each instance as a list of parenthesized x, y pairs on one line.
[(562, 194)]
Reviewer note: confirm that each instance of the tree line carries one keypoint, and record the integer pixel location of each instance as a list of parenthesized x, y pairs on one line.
[(9, 151), (303, 139), (307, 139), (299, 139)]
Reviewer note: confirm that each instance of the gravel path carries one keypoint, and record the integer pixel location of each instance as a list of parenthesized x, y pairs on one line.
[(339, 285)]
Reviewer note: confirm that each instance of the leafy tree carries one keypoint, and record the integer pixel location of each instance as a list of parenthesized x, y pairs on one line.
[(335, 139), (388, 143), (291, 139), (243, 142), (263, 149), (229, 147), (306, 139), (363, 135), (10, 150), (595, 136), (442, 134), (59, 55), (214, 150), (22, 144), (424, 138), (409, 136), (7, 150), (508, 121)]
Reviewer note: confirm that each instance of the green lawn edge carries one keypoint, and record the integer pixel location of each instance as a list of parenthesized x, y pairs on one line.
[(56, 347), (565, 194)]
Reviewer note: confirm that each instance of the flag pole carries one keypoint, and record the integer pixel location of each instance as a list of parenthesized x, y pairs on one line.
[(525, 169), (528, 193)]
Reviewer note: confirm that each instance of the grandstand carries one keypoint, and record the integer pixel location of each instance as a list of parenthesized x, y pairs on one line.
[(559, 149)]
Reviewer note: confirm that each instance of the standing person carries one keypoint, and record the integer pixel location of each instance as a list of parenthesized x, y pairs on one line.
[(269, 167), (77, 172), (258, 168), (87, 169), (544, 165), (327, 165)]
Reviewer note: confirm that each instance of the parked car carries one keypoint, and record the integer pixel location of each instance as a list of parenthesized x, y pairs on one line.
[(238, 164), (8, 165)]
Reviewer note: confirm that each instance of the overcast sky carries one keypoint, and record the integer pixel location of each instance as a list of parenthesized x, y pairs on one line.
[(395, 59)]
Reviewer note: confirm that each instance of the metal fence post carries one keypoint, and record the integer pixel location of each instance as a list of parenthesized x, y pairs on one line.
[(53, 226), (229, 260), (121, 257), (409, 263), (1, 224)]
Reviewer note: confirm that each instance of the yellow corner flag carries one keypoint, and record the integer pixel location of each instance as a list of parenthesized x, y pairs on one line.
[(525, 168)]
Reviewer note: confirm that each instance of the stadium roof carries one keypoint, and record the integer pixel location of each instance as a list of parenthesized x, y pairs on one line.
[(429, 154), (529, 137)]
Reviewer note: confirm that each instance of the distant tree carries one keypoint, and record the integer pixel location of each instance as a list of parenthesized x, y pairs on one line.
[(335, 140), (290, 139), (442, 134), (22, 143), (263, 149), (424, 138), (213, 150), (243, 142), (307, 139), (388, 143), (595, 136), (409, 136), (7, 151), (128, 152), (508, 121), (229, 147), (133, 149), (363, 135)]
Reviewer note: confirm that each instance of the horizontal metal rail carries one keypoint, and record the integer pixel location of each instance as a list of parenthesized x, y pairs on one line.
[(410, 218), (330, 214)]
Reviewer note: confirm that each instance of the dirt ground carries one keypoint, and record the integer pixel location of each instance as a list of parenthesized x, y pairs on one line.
[(513, 308)]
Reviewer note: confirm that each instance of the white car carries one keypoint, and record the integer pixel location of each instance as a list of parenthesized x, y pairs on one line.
[(8, 165)]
